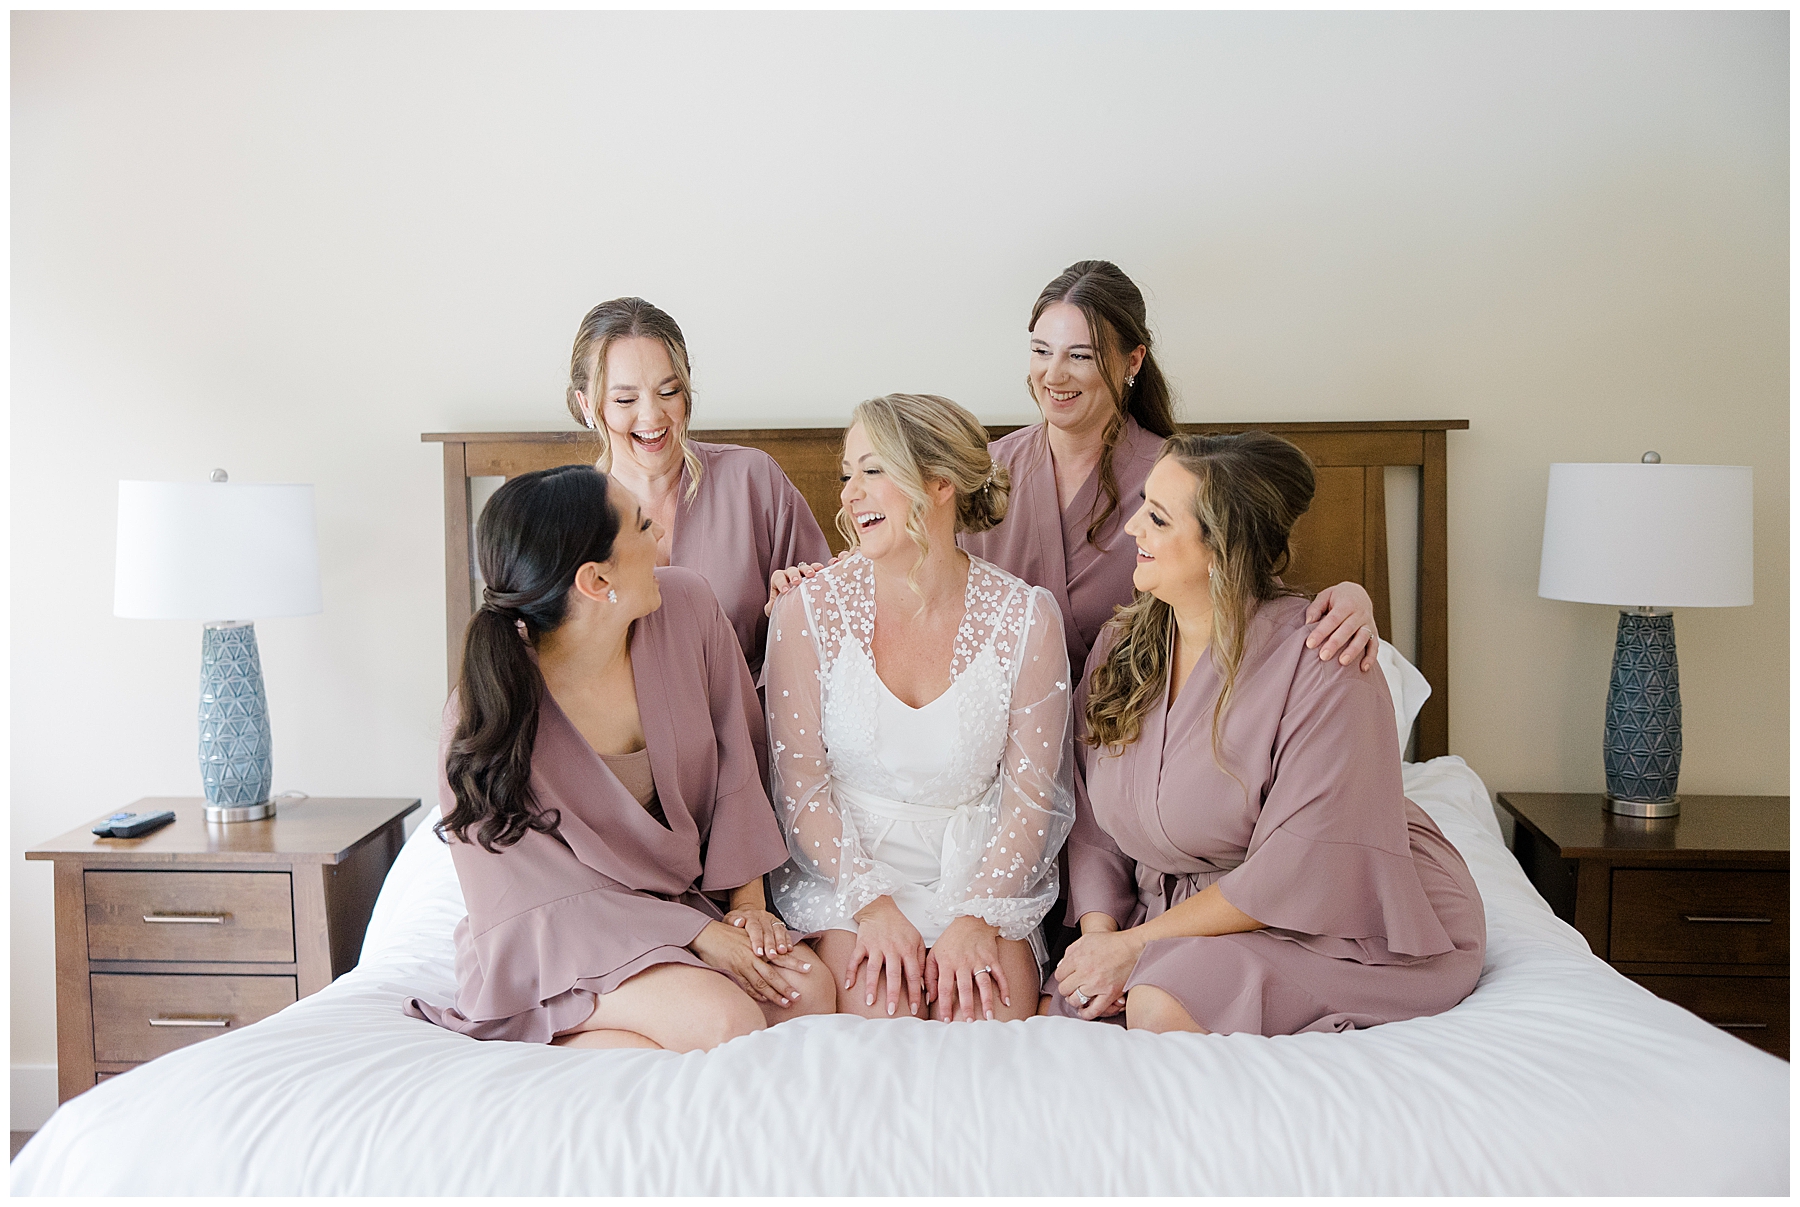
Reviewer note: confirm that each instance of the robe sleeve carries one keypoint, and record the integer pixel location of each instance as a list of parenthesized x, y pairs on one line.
[(822, 847), (1102, 878), (1014, 883), (744, 840), (1330, 853)]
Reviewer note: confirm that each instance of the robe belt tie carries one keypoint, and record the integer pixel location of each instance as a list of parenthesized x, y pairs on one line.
[(962, 843)]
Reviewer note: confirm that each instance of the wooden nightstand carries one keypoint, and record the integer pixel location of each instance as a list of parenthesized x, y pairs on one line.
[(180, 935), (1693, 908)]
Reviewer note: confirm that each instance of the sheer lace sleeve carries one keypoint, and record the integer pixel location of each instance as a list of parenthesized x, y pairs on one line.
[(1010, 878), (828, 875)]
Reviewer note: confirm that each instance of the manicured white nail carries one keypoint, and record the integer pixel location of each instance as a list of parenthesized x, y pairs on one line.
[(870, 1001), (890, 1010)]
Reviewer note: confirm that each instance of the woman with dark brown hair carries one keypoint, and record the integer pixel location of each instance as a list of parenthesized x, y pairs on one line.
[(1080, 473), (725, 511), (1243, 858), (601, 793)]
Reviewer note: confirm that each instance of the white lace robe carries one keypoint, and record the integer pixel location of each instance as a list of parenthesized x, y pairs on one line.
[(1006, 775)]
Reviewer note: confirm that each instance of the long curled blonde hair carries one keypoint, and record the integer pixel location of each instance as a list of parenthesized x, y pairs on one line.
[(1250, 489), (923, 438), (628, 318)]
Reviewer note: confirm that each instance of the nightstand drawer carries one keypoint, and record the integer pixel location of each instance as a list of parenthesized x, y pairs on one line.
[(1753, 1008), (220, 917), (1699, 917), (140, 1017)]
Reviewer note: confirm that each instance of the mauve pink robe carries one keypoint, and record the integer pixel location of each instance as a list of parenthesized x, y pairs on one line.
[(554, 922), (745, 522), (1048, 547), (1372, 914)]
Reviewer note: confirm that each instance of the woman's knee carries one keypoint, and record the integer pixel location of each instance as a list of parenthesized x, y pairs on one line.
[(818, 995)]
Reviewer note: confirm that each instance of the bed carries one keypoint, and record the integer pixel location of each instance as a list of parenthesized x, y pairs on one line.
[(1556, 1076)]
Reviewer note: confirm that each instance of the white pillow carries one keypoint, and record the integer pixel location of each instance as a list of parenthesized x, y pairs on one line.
[(1408, 688)]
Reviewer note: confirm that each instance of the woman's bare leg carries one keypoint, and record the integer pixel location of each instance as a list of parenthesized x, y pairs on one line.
[(816, 993), (834, 948), (608, 1038), (1148, 1008), (674, 1006)]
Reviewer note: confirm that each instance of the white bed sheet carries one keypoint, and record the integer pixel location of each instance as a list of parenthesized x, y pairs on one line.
[(1556, 1076)]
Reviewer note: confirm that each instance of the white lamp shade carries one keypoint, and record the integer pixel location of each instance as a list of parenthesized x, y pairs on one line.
[(216, 551), (1662, 536)]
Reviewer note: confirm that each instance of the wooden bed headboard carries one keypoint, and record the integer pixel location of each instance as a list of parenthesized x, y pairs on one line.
[(1343, 538)]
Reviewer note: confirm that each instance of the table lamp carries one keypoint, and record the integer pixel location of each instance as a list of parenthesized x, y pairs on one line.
[(1647, 538), (207, 550)]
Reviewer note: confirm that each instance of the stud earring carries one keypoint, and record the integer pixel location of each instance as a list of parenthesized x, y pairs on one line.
[(1212, 572), (1131, 381), (612, 597), (589, 420)]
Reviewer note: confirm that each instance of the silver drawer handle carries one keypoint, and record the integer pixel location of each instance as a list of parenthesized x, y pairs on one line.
[(1720, 918), (1742, 1026), (209, 919), (190, 1021)]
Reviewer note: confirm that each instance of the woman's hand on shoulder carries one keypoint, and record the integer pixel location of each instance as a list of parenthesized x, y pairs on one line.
[(1096, 966), (964, 972), (729, 949), (1348, 626), (783, 581), (887, 942)]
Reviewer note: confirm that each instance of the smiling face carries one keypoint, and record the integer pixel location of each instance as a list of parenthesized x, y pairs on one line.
[(1065, 373), (644, 407), (1172, 560), (875, 503), (631, 570)]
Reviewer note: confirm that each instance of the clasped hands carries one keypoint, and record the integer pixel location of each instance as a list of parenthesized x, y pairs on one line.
[(960, 977), (1097, 965), (751, 945)]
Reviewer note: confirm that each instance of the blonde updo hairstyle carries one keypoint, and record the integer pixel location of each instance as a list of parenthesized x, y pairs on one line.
[(923, 438), (628, 318), (1251, 488)]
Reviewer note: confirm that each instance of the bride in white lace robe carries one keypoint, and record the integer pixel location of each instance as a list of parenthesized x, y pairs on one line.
[(923, 836)]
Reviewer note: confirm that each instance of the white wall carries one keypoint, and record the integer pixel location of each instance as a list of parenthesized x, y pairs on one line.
[(287, 244)]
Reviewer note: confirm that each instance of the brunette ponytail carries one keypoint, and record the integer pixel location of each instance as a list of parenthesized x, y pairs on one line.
[(536, 532)]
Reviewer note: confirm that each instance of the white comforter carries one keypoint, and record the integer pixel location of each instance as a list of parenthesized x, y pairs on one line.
[(1557, 1076)]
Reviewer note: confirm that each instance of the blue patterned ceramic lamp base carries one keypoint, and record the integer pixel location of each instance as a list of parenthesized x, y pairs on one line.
[(1643, 718), (234, 725)]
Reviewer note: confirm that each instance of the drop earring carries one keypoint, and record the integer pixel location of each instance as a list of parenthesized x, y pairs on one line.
[(612, 597), (1130, 381)]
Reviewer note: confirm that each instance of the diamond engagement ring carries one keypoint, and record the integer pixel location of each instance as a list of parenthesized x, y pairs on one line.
[(984, 971), (1082, 999)]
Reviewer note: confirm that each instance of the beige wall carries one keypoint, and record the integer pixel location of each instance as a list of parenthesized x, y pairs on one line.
[(288, 244)]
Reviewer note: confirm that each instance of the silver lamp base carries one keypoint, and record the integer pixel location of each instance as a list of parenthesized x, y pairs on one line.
[(1669, 807), (224, 813)]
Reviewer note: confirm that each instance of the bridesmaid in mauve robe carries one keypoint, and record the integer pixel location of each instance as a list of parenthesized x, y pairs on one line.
[(746, 521), (556, 919), (1372, 915), (1047, 545)]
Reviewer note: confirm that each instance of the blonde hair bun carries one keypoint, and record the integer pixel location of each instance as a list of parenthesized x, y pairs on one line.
[(922, 438)]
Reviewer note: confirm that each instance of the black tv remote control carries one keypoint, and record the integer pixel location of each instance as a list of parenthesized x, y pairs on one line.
[(133, 825)]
